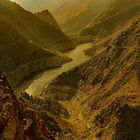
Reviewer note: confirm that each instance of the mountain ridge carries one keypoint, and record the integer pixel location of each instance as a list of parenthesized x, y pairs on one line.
[(75, 15), (33, 28), (46, 16), (114, 15)]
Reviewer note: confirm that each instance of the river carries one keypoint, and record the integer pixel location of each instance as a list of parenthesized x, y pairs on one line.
[(35, 85)]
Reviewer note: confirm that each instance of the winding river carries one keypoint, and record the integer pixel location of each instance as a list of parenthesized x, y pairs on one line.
[(35, 85)]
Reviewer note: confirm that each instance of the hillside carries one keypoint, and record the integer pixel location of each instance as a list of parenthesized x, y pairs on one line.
[(20, 57), (75, 15), (48, 18), (33, 28), (105, 102), (117, 14), (95, 97), (18, 120)]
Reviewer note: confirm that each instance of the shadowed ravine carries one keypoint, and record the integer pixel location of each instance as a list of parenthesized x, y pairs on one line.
[(35, 85)]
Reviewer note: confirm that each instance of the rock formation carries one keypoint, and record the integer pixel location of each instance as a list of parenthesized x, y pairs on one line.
[(18, 120)]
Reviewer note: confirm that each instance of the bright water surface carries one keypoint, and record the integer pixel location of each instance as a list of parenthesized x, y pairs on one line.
[(35, 85)]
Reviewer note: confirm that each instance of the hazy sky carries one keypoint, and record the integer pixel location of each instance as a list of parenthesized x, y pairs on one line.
[(37, 5)]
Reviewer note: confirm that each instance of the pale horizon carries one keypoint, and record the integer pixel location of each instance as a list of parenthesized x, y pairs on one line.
[(38, 5)]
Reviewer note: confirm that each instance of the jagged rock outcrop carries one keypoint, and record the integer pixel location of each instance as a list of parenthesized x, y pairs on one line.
[(107, 103), (20, 57), (18, 120), (54, 115)]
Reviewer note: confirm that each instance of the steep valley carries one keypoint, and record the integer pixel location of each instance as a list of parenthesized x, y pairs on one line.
[(35, 84), (21, 50), (19, 57), (78, 87)]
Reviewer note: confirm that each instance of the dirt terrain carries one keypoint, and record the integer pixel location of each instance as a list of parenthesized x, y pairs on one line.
[(106, 105)]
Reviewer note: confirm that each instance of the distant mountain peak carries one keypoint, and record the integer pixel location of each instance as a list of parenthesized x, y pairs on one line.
[(46, 16)]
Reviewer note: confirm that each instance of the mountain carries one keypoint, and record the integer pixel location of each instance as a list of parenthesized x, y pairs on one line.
[(103, 93), (75, 15), (46, 16), (116, 15), (33, 28), (18, 119), (20, 57)]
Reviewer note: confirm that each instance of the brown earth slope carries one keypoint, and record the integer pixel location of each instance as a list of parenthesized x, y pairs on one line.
[(106, 105)]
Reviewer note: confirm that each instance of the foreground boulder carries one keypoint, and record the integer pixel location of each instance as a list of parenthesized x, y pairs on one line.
[(18, 121)]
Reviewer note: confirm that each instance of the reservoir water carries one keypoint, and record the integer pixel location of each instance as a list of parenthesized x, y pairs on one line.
[(35, 85)]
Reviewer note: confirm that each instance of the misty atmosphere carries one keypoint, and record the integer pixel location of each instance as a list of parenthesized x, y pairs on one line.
[(69, 69)]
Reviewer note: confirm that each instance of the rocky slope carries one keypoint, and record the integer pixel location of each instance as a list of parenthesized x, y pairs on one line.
[(106, 104), (20, 57), (18, 120), (75, 15), (33, 28), (117, 15), (54, 116)]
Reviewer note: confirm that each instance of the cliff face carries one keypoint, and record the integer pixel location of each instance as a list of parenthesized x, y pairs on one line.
[(106, 104), (20, 57), (116, 15), (34, 28), (17, 118)]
